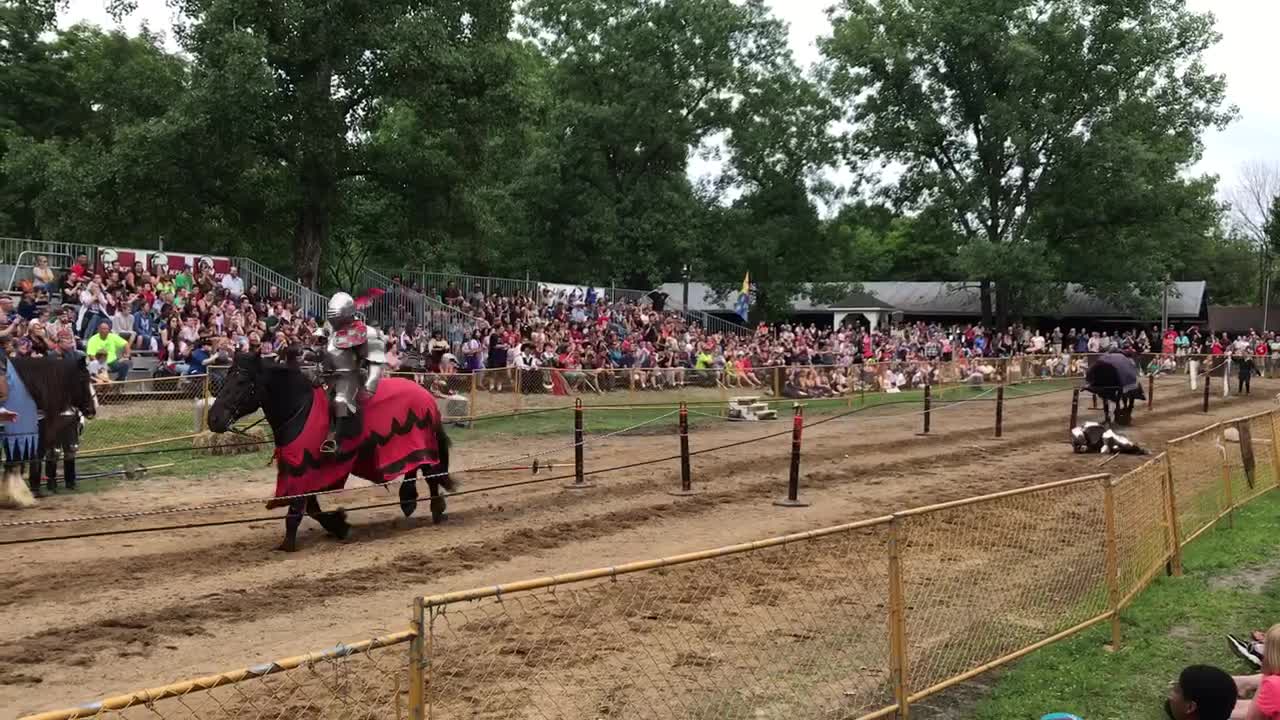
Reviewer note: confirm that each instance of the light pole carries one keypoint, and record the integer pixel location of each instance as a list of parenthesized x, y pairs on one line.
[(684, 298), (1164, 309)]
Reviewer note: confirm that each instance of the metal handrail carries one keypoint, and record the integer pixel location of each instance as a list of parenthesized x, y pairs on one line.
[(11, 247), (13, 277), (255, 273), (425, 311)]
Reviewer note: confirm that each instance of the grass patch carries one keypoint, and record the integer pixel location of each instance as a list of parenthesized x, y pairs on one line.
[(1175, 623)]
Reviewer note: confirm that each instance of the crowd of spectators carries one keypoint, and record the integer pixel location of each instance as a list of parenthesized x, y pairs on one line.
[(192, 319), (577, 331), (188, 320)]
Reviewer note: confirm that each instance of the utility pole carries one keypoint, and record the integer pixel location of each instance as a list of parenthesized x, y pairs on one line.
[(1266, 298), (684, 299), (1164, 309)]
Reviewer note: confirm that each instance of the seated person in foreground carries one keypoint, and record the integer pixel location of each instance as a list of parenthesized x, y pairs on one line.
[(1201, 692), (1262, 690)]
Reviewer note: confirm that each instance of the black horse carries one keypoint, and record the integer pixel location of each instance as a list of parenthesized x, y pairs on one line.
[(49, 396), (1114, 378), (402, 437)]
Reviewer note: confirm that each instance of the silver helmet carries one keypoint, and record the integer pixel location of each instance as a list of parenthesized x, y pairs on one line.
[(342, 310)]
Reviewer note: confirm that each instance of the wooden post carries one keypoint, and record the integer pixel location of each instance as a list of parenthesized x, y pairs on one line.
[(1207, 377), (1275, 450), (927, 407), (1113, 559), (1226, 487), (686, 478), (899, 668), (1075, 408), (793, 484), (473, 409), (1151, 391), (579, 480), (518, 374), (208, 403), (1172, 507), (1000, 411), (418, 663)]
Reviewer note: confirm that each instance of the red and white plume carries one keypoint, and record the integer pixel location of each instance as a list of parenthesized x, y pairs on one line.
[(367, 299)]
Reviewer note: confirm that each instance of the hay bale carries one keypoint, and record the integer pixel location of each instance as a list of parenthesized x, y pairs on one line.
[(211, 443)]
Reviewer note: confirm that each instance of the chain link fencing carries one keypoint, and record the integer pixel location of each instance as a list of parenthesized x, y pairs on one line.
[(854, 621), (985, 578), (771, 629), (364, 680), (1144, 539), (1199, 468), (152, 411)]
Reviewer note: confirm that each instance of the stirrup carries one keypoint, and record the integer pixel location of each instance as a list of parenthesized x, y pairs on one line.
[(329, 447)]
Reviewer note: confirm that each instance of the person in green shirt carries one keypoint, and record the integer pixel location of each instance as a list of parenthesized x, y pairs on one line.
[(116, 348), (164, 285), (183, 280)]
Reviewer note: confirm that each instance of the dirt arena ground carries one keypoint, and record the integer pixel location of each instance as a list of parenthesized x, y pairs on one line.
[(86, 618)]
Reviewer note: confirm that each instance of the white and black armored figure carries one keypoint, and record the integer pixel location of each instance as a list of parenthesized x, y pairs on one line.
[(353, 361)]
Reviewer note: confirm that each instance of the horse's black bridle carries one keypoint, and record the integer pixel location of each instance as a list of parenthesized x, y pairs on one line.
[(251, 394)]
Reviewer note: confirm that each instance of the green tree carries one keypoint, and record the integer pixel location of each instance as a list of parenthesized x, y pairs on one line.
[(999, 110), (323, 101), (109, 170), (38, 102), (880, 244), (633, 86)]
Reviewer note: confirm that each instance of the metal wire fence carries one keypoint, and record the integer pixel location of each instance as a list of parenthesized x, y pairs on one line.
[(770, 625), (359, 681), (154, 411), (1198, 463), (855, 621), (984, 578)]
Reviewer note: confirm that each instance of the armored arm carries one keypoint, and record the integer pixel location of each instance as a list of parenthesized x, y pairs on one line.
[(374, 351)]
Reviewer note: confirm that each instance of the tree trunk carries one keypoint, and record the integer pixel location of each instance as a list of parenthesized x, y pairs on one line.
[(309, 238), (984, 291), (1002, 305)]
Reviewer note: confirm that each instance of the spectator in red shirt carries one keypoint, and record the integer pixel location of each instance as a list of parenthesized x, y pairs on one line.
[(81, 266)]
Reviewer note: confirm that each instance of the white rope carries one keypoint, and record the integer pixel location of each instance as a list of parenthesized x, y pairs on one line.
[(386, 486)]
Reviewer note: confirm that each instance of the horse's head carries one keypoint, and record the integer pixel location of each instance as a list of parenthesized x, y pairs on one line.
[(239, 393), (84, 397)]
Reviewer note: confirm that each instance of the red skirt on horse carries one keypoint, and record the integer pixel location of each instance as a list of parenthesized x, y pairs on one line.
[(395, 438)]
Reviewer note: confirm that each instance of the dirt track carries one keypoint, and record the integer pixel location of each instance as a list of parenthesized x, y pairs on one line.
[(91, 617)]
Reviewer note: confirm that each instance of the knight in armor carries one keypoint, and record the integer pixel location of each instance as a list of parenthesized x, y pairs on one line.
[(353, 360), (1095, 438)]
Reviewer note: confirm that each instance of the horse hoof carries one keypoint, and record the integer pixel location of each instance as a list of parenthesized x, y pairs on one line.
[(438, 518), (287, 547)]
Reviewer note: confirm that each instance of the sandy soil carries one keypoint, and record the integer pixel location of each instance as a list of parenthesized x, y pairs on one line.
[(90, 617)]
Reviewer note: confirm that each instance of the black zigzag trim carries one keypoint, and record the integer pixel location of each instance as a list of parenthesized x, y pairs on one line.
[(312, 461)]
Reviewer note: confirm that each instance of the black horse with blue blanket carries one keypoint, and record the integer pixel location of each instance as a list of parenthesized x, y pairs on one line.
[(1114, 378), (48, 396)]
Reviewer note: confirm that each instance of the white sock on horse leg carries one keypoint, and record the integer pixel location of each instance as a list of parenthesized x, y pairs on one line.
[(14, 492)]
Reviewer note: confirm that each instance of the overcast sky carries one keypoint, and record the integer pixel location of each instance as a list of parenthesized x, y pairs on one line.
[(1248, 55)]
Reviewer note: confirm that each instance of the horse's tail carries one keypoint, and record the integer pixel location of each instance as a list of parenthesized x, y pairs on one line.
[(442, 447)]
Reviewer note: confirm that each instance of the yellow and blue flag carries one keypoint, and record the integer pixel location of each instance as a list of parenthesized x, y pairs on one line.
[(744, 298)]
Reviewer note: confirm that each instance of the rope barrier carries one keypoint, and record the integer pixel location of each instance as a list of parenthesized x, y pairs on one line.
[(457, 493), (254, 501)]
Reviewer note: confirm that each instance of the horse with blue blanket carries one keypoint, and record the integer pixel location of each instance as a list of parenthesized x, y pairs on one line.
[(1114, 378), (46, 398)]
